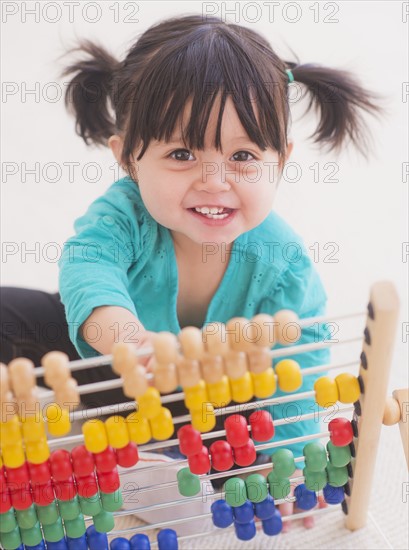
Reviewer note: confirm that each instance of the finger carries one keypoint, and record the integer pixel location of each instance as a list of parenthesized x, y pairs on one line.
[(308, 522), (286, 509)]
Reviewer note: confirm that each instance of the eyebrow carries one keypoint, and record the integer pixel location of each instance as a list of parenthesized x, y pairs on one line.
[(177, 139)]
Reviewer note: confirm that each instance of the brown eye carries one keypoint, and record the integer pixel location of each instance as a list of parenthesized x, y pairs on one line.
[(243, 153), (180, 154)]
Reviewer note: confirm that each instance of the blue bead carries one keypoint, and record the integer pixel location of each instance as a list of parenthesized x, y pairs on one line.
[(77, 543), (120, 543), (222, 513), (40, 546), (244, 513), (265, 509), (273, 525), (96, 540), (167, 539), (245, 531), (333, 495), (140, 542), (59, 545), (306, 499)]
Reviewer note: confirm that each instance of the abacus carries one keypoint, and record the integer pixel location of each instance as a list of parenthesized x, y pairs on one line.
[(49, 494)]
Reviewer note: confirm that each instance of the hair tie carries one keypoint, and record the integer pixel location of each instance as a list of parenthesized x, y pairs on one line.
[(290, 75)]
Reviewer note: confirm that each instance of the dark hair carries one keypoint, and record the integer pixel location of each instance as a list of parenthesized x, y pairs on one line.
[(199, 57)]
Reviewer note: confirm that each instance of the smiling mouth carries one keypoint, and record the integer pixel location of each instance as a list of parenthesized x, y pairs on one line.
[(221, 216)]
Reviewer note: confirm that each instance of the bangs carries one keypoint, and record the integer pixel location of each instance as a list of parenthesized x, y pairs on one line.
[(201, 66)]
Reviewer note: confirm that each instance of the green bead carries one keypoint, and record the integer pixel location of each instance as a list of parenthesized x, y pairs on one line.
[(33, 536), (69, 509), (11, 540), (8, 521), (256, 486), (54, 532), (283, 461), (188, 483), (104, 521), (315, 481), (111, 502), (278, 487), (47, 515), (27, 518), (235, 491), (337, 477), (315, 456), (90, 506), (339, 456), (75, 527)]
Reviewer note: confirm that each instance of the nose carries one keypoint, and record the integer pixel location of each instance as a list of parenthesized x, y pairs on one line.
[(213, 177)]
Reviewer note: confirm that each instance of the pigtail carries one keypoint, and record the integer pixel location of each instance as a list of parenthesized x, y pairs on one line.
[(339, 99), (88, 92)]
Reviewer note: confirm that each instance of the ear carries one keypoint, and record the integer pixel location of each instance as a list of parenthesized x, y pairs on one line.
[(289, 150), (116, 144)]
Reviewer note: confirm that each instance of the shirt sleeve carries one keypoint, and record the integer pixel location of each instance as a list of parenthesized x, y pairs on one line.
[(93, 267), (300, 289)]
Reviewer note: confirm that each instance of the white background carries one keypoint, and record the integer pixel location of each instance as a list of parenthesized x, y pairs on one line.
[(364, 213)]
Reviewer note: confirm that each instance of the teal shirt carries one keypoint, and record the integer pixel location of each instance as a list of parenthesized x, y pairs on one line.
[(120, 256)]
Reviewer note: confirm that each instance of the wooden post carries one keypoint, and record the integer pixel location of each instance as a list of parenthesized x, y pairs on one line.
[(402, 397), (376, 357)]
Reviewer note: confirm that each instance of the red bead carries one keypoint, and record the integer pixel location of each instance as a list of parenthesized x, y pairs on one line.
[(245, 455), (190, 440), (341, 432), (39, 473), (237, 433), (3, 482), (200, 462), (87, 485), (5, 501), (262, 428), (105, 461), (222, 455), (109, 481), (65, 490), (61, 467), (21, 498), (44, 494), (18, 477), (82, 461), (127, 456)]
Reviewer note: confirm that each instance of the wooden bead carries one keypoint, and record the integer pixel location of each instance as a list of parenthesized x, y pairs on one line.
[(219, 393), (67, 396), (212, 368), (21, 375), (326, 391), (287, 329), (124, 357), (195, 396), (289, 375), (29, 404), (4, 380), (215, 339), (235, 364), (264, 383), (259, 360), (242, 388), (263, 331), (191, 342), (348, 387), (165, 346), (240, 334), (135, 382), (188, 372), (8, 407), (392, 413), (56, 368), (165, 377)]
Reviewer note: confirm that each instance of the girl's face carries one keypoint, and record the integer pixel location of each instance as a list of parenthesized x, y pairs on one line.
[(174, 180)]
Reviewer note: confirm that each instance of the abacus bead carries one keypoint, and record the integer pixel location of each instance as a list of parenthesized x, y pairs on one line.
[(111, 502), (245, 531), (165, 346), (17, 476), (289, 375), (341, 432), (162, 425), (273, 525), (240, 334), (67, 396), (95, 436), (13, 456), (56, 368), (348, 387), (8, 408), (5, 501), (188, 483), (37, 452), (339, 456), (21, 498), (257, 489), (124, 357), (337, 477), (326, 391), (77, 543), (235, 491), (199, 463), (219, 392), (392, 414), (43, 495), (149, 403), (190, 440), (212, 368), (87, 485), (235, 364), (11, 540), (287, 328), (82, 461), (195, 396), (104, 521), (188, 372), (33, 428), (264, 383), (54, 532), (278, 487), (165, 378), (259, 360), (117, 431), (138, 428), (127, 456), (60, 465), (306, 499), (204, 420), (10, 432), (215, 339), (244, 513), (264, 331), (222, 514), (32, 536), (315, 456), (58, 420), (314, 481), (237, 433), (245, 455), (7, 521), (140, 542), (242, 388), (167, 539), (105, 461), (47, 514), (265, 509), (109, 481), (96, 540), (65, 490), (120, 543), (4, 380), (283, 463), (134, 381), (27, 518), (221, 455), (21, 375), (333, 495), (191, 342), (262, 427), (75, 527), (90, 506), (69, 509)]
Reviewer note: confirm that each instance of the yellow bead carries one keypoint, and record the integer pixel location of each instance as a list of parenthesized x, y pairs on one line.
[(95, 436), (242, 388), (138, 428), (162, 425), (264, 383), (289, 375), (117, 431), (195, 396), (326, 391), (58, 420), (149, 404), (348, 387), (1, 462), (10, 432), (219, 392), (33, 428), (205, 419), (13, 456), (37, 451)]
